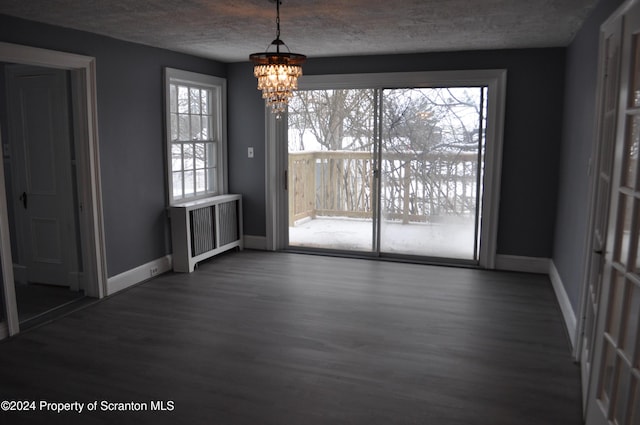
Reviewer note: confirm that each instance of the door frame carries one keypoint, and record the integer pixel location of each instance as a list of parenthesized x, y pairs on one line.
[(85, 116), (276, 142)]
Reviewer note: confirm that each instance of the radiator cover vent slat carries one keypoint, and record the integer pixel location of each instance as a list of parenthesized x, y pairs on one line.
[(201, 229), (228, 222)]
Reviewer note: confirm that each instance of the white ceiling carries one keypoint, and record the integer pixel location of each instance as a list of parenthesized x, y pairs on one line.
[(231, 30)]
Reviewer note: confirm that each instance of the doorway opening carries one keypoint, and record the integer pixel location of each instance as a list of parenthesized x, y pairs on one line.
[(51, 231), (41, 187)]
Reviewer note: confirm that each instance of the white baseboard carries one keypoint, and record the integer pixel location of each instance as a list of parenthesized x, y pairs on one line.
[(139, 274), (568, 314), (255, 242), (515, 263)]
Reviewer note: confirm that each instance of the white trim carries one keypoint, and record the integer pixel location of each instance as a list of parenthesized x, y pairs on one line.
[(516, 263), (495, 79), (255, 242), (568, 314), (496, 102), (276, 165), (139, 274)]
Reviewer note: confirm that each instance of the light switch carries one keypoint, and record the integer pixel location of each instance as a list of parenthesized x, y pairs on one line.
[(250, 152)]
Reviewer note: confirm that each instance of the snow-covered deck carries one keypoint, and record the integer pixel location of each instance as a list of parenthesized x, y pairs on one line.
[(447, 238)]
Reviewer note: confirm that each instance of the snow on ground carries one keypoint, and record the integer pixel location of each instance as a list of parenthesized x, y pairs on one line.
[(449, 238)]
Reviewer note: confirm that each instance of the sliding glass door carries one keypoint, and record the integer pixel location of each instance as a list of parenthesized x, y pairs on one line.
[(431, 162), (332, 147), (393, 170)]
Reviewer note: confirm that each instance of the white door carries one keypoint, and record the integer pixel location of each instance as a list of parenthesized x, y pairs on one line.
[(603, 163), (41, 169), (614, 393)]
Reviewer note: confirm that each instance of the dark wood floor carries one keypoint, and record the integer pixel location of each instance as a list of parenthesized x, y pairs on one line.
[(274, 338), (35, 300)]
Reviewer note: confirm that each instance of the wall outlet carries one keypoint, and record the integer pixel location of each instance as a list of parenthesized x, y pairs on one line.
[(250, 152), (154, 271)]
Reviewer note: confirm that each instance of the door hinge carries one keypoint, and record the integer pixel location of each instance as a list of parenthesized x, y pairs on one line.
[(286, 179)]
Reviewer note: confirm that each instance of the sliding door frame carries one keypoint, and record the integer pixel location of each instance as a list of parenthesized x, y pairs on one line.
[(494, 79)]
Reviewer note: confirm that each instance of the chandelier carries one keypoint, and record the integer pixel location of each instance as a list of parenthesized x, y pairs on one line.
[(277, 72)]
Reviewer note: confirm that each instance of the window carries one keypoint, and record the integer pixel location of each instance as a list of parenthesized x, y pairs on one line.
[(196, 135)]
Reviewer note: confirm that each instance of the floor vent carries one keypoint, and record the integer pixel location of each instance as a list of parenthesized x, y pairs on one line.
[(203, 228)]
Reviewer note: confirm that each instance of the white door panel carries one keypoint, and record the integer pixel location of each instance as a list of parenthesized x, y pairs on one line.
[(42, 172)]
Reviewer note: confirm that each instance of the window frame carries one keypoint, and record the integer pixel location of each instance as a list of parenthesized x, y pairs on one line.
[(219, 124)]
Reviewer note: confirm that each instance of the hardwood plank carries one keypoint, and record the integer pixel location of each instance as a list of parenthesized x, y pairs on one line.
[(277, 338)]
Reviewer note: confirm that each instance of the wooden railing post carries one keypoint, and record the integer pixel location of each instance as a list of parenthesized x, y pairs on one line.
[(407, 191)]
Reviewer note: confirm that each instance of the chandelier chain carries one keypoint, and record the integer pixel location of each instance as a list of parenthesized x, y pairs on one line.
[(278, 22)]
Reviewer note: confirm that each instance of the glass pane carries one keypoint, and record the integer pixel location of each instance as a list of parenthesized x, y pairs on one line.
[(205, 128), (201, 181), (622, 393), (608, 369), (176, 157), (431, 141), (200, 158), (189, 183), (211, 155), (195, 100), (635, 74), (188, 154), (632, 316), (184, 132), (183, 100), (602, 207), (616, 302), (331, 144), (631, 153), (174, 127), (177, 185), (204, 101), (608, 138), (625, 212), (195, 128), (173, 98)]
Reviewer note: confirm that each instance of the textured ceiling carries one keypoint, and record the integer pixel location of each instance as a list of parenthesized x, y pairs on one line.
[(230, 30)]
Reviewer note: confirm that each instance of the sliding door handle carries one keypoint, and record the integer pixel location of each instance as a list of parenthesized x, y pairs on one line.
[(23, 198)]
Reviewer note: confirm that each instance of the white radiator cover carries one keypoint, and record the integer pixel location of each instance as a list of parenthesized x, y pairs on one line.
[(203, 228)]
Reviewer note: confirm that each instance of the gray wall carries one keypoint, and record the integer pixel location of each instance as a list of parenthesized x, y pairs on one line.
[(130, 125), (578, 137), (535, 86)]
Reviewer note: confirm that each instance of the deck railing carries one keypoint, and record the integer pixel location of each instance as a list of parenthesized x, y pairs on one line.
[(415, 187)]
